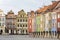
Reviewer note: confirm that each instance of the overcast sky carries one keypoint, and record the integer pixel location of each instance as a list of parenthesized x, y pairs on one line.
[(27, 5)]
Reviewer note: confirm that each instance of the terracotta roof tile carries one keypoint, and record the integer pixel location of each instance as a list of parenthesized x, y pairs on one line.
[(40, 10), (43, 9), (54, 4)]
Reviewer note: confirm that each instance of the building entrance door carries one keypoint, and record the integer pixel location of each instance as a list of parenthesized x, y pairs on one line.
[(1, 31)]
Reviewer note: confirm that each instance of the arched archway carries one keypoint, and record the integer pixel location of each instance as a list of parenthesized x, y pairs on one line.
[(1, 31), (6, 30)]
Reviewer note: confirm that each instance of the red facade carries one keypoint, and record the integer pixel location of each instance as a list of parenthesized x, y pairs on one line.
[(58, 20), (30, 17), (30, 25)]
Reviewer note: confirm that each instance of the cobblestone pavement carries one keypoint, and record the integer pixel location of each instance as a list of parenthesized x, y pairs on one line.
[(24, 37)]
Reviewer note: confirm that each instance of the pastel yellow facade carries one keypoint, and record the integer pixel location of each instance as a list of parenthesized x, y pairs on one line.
[(22, 22), (42, 22)]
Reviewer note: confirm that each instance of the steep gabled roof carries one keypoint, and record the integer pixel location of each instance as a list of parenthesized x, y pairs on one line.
[(50, 7), (43, 9), (54, 4)]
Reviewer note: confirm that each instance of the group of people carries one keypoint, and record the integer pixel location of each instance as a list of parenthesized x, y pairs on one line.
[(48, 34)]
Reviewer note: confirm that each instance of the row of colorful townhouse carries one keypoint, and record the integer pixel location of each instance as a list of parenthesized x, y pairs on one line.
[(42, 23), (13, 24), (33, 22), (44, 20)]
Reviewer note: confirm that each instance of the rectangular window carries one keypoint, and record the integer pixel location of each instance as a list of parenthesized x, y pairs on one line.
[(20, 25), (41, 19), (40, 25), (26, 25), (26, 20), (20, 20), (58, 24), (30, 21), (55, 17), (30, 27), (20, 15), (23, 20), (58, 15), (0, 19), (23, 25), (0, 24)]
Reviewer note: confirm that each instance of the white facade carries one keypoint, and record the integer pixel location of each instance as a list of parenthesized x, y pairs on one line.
[(2, 22), (46, 22)]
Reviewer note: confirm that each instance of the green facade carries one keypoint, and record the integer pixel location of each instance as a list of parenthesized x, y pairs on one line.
[(38, 23)]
